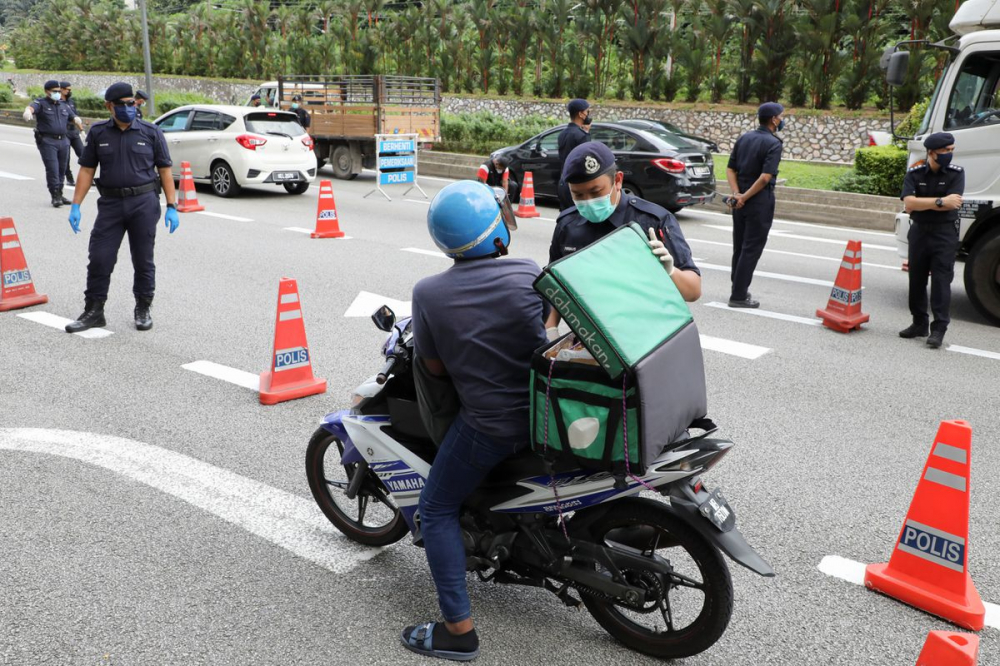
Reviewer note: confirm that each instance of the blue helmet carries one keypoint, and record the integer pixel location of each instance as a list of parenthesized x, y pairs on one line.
[(469, 219)]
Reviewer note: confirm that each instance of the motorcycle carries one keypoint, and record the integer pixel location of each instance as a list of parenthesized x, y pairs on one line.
[(651, 572)]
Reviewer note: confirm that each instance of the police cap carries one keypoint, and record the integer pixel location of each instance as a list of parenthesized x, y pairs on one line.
[(117, 91), (49, 85), (588, 161), (254, 96), (65, 84), (769, 110), (139, 94), (575, 106), (938, 140)]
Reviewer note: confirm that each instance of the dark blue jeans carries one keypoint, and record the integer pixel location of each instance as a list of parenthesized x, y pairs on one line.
[(462, 462)]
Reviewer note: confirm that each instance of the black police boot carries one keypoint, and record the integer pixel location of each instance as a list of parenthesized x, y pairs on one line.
[(936, 339), (914, 331), (65, 201), (747, 302), (69, 178), (92, 317), (143, 320), (57, 200)]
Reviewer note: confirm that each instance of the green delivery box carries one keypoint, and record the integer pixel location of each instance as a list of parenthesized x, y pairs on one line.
[(648, 382)]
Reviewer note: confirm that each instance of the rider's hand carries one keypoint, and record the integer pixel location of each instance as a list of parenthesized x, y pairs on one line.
[(952, 201), (661, 252), (552, 333), (74, 218), (171, 220)]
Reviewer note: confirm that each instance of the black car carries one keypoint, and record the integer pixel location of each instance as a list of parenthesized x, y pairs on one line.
[(661, 127), (673, 174)]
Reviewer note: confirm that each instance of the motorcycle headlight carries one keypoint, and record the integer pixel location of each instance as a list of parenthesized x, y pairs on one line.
[(356, 400)]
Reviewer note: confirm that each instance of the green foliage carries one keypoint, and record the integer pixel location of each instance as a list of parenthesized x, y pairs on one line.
[(911, 123), (483, 132), (88, 104), (169, 100), (853, 182), (877, 170), (6, 94)]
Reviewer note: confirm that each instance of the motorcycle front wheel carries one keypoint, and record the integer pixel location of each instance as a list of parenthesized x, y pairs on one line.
[(371, 518), (687, 610)]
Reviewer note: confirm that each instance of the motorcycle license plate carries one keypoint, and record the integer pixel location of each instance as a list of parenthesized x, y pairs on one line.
[(701, 171), (717, 511), (286, 175)]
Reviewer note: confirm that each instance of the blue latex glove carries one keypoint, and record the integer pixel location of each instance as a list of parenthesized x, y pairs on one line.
[(74, 218), (171, 220)]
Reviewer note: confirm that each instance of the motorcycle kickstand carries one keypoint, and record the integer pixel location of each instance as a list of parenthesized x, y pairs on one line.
[(563, 593)]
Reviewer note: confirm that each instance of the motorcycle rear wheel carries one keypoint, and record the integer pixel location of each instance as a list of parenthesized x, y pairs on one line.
[(323, 461), (699, 570)]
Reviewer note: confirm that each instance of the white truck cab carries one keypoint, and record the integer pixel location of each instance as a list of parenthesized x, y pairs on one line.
[(966, 104)]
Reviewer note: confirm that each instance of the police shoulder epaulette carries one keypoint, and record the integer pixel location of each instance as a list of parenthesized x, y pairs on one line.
[(648, 207), (919, 166), (955, 167), (563, 214)]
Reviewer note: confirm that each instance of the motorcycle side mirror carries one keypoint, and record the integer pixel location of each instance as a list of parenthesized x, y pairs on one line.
[(895, 73), (384, 318)]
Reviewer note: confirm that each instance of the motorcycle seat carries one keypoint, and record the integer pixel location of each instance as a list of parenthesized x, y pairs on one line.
[(523, 464)]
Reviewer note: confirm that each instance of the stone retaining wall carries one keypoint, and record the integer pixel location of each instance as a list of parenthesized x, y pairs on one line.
[(227, 92)]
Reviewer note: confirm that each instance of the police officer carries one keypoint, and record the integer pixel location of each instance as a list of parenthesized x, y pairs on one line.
[(255, 100), (299, 111), (596, 186), (72, 130), (134, 161), (752, 173), (140, 101), (52, 117), (577, 131), (932, 194)]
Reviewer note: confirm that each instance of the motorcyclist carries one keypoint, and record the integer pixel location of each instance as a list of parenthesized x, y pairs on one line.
[(495, 172), (477, 323)]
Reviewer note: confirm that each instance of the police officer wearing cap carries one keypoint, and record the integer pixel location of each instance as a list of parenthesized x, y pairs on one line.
[(255, 100), (72, 130), (52, 117), (140, 101), (134, 162), (601, 207), (577, 131), (752, 173), (302, 114), (932, 195)]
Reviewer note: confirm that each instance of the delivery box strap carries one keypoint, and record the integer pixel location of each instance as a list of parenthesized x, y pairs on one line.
[(579, 395), (552, 476), (552, 399)]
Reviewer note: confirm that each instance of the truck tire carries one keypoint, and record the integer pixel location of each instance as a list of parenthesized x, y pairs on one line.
[(342, 163), (982, 275)]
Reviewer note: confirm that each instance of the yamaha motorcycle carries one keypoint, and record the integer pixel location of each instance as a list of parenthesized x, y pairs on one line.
[(648, 566)]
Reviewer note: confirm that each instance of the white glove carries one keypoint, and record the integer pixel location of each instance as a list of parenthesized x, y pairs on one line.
[(28, 114), (661, 252), (78, 122), (552, 333)]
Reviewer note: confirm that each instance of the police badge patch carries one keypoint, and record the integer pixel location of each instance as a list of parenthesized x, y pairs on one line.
[(591, 164)]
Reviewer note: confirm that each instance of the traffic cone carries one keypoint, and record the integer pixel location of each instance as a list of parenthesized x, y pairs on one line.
[(18, 291), (327, 222), (946, 648), (291, 374), (929, 568), (526, 206), (843, 310), (187, 197)]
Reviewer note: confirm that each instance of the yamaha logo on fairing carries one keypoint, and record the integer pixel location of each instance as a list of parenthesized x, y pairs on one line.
[(404, 484)]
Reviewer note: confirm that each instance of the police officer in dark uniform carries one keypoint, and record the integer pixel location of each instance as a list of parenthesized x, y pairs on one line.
[(752, 173), (52, 117), (932, 194), (72, 130), (577, 131), (302, 114), (601, 207), (140, 101), (134, 161)]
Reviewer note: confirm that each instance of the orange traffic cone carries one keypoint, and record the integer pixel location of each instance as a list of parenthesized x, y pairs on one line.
[(327, 222), (526, 206), (18, 291), (843, 310), (929, 568), (946, 648), (187, 197), (291, 374)]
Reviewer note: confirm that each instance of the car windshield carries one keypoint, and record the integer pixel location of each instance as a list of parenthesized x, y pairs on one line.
[(273, 122)]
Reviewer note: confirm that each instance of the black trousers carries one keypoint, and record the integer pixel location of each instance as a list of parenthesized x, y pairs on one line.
[(76, 145), (751, 225), (138, 217), (55, 157), (932, 250)]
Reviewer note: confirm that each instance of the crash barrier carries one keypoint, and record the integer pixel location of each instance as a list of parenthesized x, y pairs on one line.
[(396, 163), (526, 204), (327, 221), (18, 290), (291, 374), (929, 567), (843, 311), (946, 648), (187, 197)]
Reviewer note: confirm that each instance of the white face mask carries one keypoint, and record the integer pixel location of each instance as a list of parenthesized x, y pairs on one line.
[(56, 95)]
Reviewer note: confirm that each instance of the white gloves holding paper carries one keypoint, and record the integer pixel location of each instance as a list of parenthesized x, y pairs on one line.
[(28, 114), (662, 253)]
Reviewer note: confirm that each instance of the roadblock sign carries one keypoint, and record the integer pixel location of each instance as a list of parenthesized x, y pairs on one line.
[(17, 289), (396, 163)]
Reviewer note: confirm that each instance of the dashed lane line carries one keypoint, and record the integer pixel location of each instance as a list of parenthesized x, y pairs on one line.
[(14, 176), (865, 264), (17, 143), (225, 373), (55, 321), (773, 276), (766, 313), (974, 352), (234, 218), (733, 348)]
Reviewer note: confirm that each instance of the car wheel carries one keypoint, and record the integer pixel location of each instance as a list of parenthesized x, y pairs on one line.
[(630, 190), (224, 181), (297, 188), (341, 163)]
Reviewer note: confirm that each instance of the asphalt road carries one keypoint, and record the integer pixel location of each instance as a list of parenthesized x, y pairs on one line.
[(153, 515)]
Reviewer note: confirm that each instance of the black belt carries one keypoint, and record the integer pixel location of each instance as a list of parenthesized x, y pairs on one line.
[(54, 136), (122, 192)]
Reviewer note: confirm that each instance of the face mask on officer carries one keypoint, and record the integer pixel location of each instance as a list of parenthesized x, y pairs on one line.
[(123, 110), (943, 159), (587, 119), (55, 95), (781, 124), (598, 206), (295, 105)]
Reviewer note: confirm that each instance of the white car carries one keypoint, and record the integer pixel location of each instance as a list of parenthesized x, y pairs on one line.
[(235, 146)]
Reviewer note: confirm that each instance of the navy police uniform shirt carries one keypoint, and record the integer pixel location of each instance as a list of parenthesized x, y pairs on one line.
[(574, 232), (922, 182), (127, 158), (571, 137), (52, 117), (71, 129), (755, 153)]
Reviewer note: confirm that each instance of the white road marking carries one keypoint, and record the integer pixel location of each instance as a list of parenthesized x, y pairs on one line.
[(732, 347), (774, 276), (419, 201), (303, 230), (55, 321), (781, 233), (854, 230), (429, 253), (974, 352), (285, 519), (366, 303), (225, 373), (766, 313), (865, 263), (14, 176), (18, 143), (234, 218), (854, 572)]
